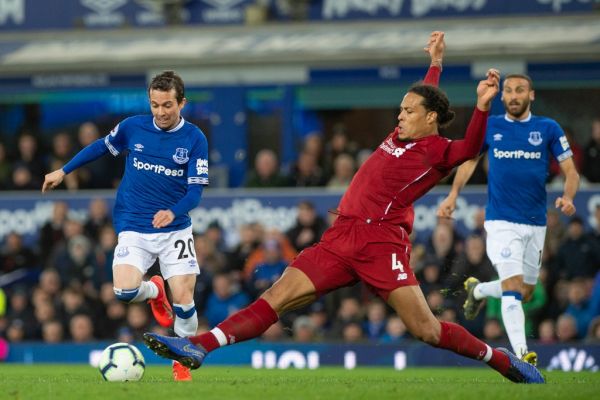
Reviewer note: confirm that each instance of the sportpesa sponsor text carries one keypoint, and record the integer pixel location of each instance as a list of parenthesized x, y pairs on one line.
[(518, 154), (157, 168)]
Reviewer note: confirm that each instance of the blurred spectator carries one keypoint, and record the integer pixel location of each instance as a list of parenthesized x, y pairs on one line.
[(555, 233), (81, 329), (313, 144), (474, 262), (579, 255), (266, 171), (98, 217), (104, 253), (374, 326), (353, 332), (546, 332), (209, 258), (309, 227), (306, 172), (101, 173), (362, 156), (214, 233), (343, 172), (28, 156), (268, 271), (395, 330), (584, 306), (52, 232), (20, 309), (15, 332), (50, 285), (339, 144), (288, 252), (224, 300), (76, 261), (303, 329), (593, 334), (52, 331), (493, 330), (5, 168), (591, 158), (62, 151), (138, 320), (443, 245), (15, 255), (350, 311), (23, 178), (595, 232), (566, 328), (249, 240), (478, 222), (73, 303)]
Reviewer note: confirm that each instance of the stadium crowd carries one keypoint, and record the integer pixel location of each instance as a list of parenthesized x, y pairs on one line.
[(65, 291)]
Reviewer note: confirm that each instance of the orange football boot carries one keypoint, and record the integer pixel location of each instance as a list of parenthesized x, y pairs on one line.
[(163, 313), (180, 372)]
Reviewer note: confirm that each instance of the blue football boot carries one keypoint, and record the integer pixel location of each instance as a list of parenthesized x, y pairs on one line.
[(521, 371), (176, 348)]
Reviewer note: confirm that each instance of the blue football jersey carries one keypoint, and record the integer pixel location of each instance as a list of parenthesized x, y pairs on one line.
[(519, 158), (158, 169)]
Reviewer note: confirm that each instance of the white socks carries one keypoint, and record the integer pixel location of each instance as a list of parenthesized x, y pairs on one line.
[(147, 290), (186, 319), (514, 321), (488, 289)]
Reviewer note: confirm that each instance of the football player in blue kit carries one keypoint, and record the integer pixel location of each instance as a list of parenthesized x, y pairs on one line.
[(166, 169), (518, 145)]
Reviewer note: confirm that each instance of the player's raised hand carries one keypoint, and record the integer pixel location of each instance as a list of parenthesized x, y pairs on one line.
[(446, 207), (52, 180), (566, 205), (488, 89), (163, 218), (436, 47)]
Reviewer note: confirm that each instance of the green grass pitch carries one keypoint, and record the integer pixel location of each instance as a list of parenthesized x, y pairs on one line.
[(43, 381)]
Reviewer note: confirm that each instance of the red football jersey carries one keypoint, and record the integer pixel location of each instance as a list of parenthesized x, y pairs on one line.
[(393, 177), (399, 172)]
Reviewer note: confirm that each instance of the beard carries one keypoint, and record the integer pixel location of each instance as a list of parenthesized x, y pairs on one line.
[(519, 111)]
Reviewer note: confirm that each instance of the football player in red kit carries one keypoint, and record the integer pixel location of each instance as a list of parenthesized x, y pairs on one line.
[(369, 240)]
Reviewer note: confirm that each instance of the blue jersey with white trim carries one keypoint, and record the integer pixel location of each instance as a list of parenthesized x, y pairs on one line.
[(519, 157), (158, 169)]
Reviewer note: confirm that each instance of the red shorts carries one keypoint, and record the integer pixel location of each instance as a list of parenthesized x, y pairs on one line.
[(353, 250)]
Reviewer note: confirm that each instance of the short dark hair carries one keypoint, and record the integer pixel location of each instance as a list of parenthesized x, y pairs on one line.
[(521, 76), (435, 100), (167, 80)]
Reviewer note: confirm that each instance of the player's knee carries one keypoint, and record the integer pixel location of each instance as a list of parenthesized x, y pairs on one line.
[(126, 295)]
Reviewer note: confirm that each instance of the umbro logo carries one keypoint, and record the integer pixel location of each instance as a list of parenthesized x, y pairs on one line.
[(138, 147), (497, 137)]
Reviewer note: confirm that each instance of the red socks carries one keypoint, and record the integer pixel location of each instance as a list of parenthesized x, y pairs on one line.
[(247, 323), (457, 339)]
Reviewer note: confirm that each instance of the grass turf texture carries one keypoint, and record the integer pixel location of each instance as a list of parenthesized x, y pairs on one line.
[(43, 381)]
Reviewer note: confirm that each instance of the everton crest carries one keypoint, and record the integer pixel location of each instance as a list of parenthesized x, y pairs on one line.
[(535, 138), (181, 155)]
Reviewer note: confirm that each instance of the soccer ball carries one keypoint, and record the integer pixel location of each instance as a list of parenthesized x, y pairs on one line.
[(121, 362)]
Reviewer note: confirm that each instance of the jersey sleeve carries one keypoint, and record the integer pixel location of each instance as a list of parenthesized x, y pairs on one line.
[(559, 145), (198, 164), (117, 140)]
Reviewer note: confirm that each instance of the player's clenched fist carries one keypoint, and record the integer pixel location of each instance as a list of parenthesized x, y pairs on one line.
[(488, 89), (566, 205), (53, 179), (163, 218), (446, 207)]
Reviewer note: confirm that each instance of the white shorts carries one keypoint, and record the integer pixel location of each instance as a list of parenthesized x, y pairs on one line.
[(174, 250), (515, 249)]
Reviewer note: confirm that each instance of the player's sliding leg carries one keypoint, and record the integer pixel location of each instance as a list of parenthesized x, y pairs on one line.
[(186, 317), (410, 304), (293, 290)]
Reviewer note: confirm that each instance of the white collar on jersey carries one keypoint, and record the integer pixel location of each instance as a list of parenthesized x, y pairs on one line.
[(177, 127), (506, 117)]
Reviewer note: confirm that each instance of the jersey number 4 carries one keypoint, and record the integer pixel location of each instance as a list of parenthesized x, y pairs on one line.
[(190, 247), (397, 264)]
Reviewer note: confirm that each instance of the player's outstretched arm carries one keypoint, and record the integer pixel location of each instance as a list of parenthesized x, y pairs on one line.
[(435, 47), (53, 179), (565, 202), (463, 174)]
